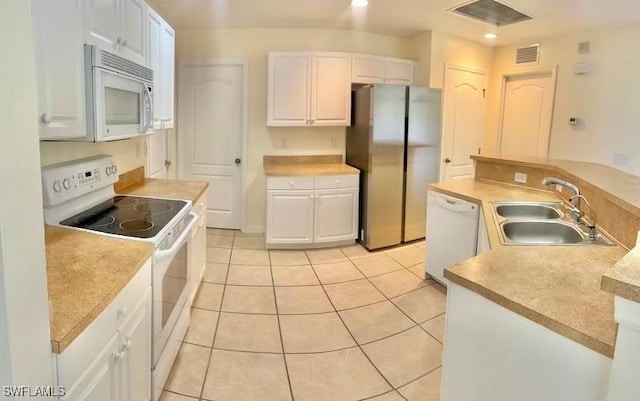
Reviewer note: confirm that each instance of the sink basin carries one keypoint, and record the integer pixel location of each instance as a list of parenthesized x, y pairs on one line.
[(541, 233), (527, 211)]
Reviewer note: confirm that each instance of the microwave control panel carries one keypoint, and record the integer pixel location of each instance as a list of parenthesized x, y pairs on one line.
[(66, 181)]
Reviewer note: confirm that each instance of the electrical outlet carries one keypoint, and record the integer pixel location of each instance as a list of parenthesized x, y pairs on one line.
[(520, 178), (558, 187), (620, 159)]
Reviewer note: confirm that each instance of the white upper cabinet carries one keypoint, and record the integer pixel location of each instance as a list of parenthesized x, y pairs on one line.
[(368, 69), (161, 59), (59, 56), (309, 89), (117, 26)]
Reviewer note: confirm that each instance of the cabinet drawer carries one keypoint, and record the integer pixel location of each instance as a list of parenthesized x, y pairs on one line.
[(290, 183), (84, 349), (337, 181)]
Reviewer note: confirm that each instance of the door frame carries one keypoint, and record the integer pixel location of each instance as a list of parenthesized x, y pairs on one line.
[(521, 74), (217, 62), (472, 70)]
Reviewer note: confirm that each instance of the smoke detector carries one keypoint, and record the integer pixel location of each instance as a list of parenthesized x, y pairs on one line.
[(491, 12)]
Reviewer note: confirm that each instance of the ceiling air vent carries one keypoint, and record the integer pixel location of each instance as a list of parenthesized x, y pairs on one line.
[(527, 54), (491, 12)]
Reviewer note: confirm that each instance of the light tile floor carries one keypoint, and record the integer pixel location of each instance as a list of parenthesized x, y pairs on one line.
[(339, 324)]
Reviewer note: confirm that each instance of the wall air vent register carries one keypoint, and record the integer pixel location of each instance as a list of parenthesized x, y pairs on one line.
[(491, 12)]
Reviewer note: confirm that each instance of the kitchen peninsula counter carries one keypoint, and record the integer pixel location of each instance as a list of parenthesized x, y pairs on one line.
[(557, 287)]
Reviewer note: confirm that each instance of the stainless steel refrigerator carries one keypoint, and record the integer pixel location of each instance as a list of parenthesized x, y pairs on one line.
[(394, 140)]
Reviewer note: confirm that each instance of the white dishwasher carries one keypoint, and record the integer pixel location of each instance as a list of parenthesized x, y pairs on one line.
[(452, 233)]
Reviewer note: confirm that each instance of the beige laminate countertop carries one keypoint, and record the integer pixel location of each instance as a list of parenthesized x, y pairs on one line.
[(310, 169), (555, 286), (85, 272), (175, 189)]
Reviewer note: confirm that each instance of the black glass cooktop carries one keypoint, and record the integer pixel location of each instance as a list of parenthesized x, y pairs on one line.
[(128, 215)]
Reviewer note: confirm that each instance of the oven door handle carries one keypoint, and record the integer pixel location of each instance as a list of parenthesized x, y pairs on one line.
[(159, 255)]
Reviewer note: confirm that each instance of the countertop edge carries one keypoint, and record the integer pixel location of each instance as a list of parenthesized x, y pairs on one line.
[(553, 325)]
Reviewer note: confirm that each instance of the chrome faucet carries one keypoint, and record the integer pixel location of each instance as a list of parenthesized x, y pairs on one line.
[(575, 199)]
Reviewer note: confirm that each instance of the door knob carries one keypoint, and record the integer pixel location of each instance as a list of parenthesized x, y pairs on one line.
[(167, 163), (447, 160), (45, 118), (238, 161)]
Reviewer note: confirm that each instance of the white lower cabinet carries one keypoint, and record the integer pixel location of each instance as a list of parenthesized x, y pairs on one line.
[(198, 245), (290, 217), (111, 359), (319, 210)]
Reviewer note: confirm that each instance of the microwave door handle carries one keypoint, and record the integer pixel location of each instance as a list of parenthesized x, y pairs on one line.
[(160, 255), (148, 123)]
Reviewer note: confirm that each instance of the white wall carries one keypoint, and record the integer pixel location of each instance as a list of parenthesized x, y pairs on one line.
[(448, 49), (606, 99), (24, 318), (254, 45), (128, 154)]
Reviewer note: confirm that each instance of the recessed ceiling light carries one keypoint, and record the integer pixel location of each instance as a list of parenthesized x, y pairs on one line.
[(359, 3), (490, 36)]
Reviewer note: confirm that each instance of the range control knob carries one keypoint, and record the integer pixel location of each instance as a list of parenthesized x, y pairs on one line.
[(108, 171), (66, 184), (114, 169), (56, 186)]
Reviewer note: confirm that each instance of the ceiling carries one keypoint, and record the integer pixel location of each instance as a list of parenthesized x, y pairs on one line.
[(400, 18)]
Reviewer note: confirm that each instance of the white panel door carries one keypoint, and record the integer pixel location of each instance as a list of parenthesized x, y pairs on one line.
[(102, 24), (331, 89), (289, 217), (526, 117), (212, 123), (59, 54), (132, 28), (367, 69), (157, 155), (154, 27), (336, 215), (463, 122), (289, 89)]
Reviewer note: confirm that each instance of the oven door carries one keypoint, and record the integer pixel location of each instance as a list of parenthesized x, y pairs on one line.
[(170, 287), (123, 106)]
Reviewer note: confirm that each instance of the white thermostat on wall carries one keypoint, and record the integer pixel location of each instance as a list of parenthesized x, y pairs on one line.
[(583, 68)]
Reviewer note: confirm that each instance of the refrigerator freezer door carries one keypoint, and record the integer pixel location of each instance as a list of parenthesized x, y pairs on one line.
[(423, 156), (385, 178)]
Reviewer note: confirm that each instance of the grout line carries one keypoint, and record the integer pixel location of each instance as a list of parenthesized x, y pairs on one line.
[(284, 357), (420, 377), (213, 341)]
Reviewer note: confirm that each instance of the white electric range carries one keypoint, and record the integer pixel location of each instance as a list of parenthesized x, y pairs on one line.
[(79, 195)]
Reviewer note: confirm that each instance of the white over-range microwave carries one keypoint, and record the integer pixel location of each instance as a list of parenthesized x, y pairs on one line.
[(119, 97)]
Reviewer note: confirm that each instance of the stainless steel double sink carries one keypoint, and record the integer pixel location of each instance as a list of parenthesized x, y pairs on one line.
[(542, 223)]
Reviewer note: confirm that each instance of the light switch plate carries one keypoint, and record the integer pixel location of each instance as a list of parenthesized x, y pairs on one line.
[(558, 187), (520, 178)]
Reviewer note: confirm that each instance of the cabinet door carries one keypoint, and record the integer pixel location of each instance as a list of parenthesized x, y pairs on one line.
[(198, 254), (331, 89), (367, 69), (101, 381), (135, 337), (59, 56), (289, 217), (133, 28), (154, 29), (167, 75), (336, 215), (399, 71), (102, 26), (289, 90)]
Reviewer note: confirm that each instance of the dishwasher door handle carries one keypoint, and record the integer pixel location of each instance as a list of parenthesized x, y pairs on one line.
[(451, 204)]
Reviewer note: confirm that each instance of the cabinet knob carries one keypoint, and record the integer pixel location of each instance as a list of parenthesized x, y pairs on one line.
[(447, 160), (119, 41), (127, 344), (291, 183), (45, 118), (124, 42), (123, 312), (118, 356)]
